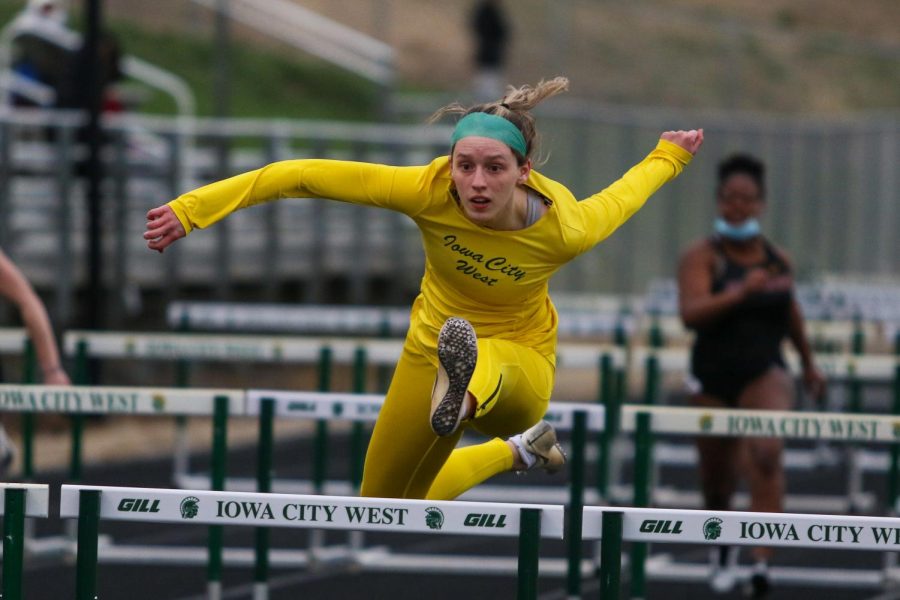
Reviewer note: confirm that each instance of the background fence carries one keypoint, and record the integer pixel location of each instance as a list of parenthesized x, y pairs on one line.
[(833, 202)]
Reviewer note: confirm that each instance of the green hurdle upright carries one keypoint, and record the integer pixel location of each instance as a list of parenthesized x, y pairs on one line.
[(29, 375), (264, 486), (576, 504), (217, 483), (642, 469), (19, 501)]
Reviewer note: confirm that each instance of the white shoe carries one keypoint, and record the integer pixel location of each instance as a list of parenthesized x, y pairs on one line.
[(7, 452), (457, 350), (723, 574), (540, 442)]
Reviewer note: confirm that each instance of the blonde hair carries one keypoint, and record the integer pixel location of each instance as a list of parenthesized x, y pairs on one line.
[(514, 107)]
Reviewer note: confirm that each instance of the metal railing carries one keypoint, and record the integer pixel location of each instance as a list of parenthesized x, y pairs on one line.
[(833, 189)]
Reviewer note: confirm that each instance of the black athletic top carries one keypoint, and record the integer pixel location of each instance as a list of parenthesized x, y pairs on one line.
[(746, 341)]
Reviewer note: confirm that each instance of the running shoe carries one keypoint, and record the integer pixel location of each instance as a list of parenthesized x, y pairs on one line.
[(759, 585), (723, 574), (457, 350), (540, 441), (7, 452)]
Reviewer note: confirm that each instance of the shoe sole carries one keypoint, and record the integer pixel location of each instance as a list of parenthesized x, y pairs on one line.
[(457, 354)]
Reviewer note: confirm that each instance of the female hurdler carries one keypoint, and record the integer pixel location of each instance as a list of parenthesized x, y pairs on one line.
[(480, 351)]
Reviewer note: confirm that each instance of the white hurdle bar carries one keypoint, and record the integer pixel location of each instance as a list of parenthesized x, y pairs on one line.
[(717, 528), (793, 425), (839, 368), (528, 522)]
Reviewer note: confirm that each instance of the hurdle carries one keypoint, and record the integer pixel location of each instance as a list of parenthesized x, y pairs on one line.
[(528, 522), (15, 341), (717, 528), (111, 400), (20, 500), (645, 421), (324, 352), (578, 418), (849, 370), (218, 404)]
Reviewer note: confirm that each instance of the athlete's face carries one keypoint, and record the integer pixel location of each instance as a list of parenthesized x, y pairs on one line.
[(485, 173), (740, 199)]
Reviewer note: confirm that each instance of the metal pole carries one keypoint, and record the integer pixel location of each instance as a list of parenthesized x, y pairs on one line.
[(263, 486), (29, 375), (222, 102), (607, 398), (529, 551), (13, 542), (642, 470), (82, 377), (88, 530), (357, 443), (611, 555), (576, 503), (217, 482), (357, 447), (651, 385), (181, 456), (320, 451), (93, 84), (320, 461), (894, 479)]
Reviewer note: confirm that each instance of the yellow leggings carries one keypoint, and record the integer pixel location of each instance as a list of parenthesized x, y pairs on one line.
[(405, 459)]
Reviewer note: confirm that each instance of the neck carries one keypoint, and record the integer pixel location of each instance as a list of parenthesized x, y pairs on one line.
[(514, 218)]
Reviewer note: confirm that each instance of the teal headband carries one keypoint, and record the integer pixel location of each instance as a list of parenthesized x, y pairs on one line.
[(481, 124)]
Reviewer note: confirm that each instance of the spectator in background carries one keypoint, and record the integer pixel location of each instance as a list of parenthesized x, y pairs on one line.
[(736, 290), (491, 33), (15, 288), (43, 52)]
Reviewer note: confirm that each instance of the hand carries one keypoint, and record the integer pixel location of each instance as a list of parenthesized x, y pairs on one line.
[(163, 228), (814, 381), (56, 376), (689, 140), (755, 281)]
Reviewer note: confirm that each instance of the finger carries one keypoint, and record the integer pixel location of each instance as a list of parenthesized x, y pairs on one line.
[(158, 244), (156, 232)]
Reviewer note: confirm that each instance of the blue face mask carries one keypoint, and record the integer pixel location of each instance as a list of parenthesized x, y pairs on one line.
[(739, 233)]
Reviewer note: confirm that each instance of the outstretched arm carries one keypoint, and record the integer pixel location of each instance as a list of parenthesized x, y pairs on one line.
[(397, 188), (16, 288), (608, 210)]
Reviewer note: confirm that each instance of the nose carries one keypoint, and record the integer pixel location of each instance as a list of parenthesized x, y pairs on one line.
[(478, 178)]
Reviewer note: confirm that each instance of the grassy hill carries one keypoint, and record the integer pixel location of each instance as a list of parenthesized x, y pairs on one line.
[(792, 56)]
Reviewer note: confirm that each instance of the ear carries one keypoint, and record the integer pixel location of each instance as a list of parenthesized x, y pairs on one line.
[(524, 171)]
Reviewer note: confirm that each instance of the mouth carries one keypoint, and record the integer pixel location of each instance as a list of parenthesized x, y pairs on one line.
[(479, 202)]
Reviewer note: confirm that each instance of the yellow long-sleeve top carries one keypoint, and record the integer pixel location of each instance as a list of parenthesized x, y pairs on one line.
[(497, 280)]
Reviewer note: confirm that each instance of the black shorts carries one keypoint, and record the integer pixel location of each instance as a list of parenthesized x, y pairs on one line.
[(728, 384)]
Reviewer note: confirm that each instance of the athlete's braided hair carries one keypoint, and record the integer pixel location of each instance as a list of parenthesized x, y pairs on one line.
[(514, 107)]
